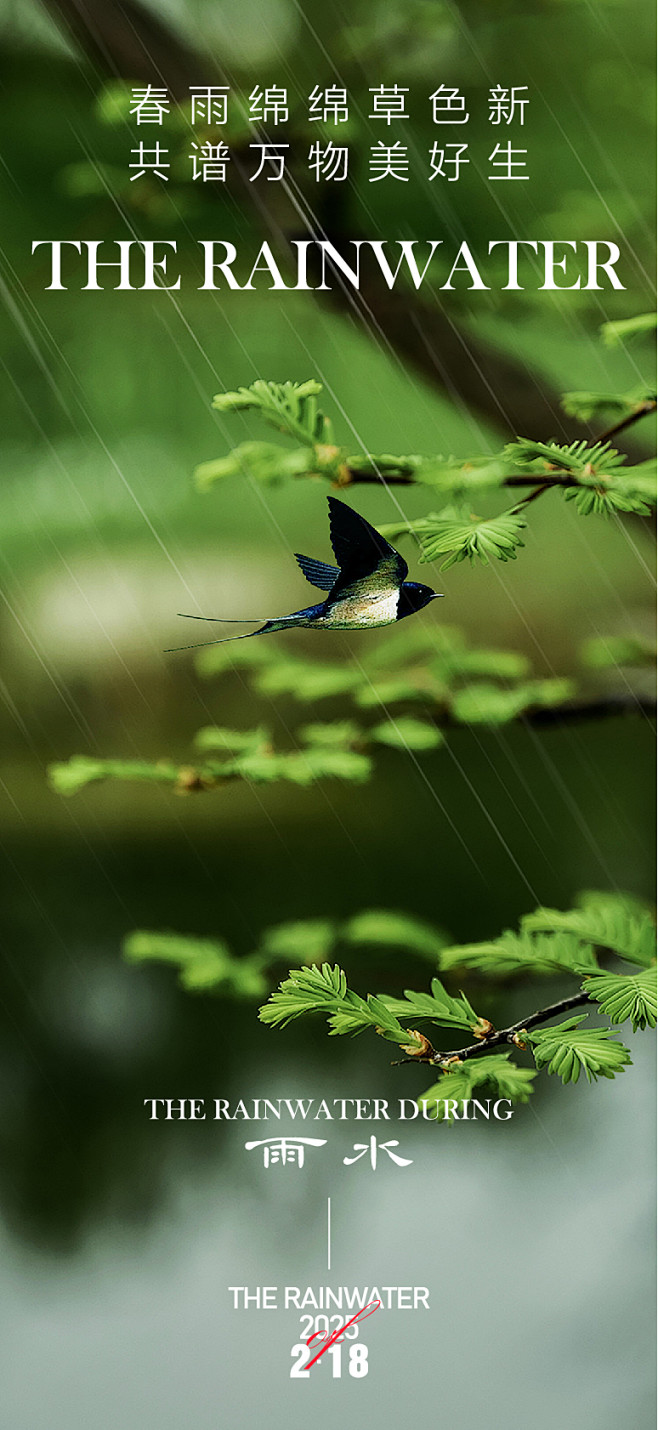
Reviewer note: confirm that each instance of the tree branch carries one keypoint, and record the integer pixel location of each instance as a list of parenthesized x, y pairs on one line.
[(407, 479), (643, 410), (597, 708), (496, 1038)]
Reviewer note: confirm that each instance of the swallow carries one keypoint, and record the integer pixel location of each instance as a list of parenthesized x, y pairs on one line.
[(366, 589)]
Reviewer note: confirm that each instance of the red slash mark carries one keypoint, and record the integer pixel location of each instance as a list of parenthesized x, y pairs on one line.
[(337, 1335)]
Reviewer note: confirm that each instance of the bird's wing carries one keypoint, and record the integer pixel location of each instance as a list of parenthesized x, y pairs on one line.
[(319, 573), (362, 554)]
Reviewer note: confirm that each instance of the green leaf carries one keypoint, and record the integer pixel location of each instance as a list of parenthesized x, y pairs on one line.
[(567, 1050), (522, 953), (70, 777), (626, 328), (309, 940), (384, 466), (438, 1005), (487, 704), (605, 500), (494, 1072), (263, 461), (306, 681), (502, 664), (587, 461), (218, 659), (291, 407), (386, 929), (324, 990), (461, 480), (405, 733), (305, 990), (604, 483), (383, 1019), (215, 737), (586, 405), (622, 996), (203, 964), (607, 652), (486, 538), (303, 767), (388, 692), (339, 733), (327, 762), (609, 920)]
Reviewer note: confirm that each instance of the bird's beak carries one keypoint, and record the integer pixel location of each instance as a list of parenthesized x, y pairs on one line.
[(436, 596)]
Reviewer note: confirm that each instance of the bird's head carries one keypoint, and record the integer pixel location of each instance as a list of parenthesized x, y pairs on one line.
[(413, 596)]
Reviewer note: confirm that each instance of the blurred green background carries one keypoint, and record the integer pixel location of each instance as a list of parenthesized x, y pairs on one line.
[(105, 412)]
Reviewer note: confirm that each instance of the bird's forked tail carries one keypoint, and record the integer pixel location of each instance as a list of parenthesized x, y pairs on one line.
[(269, 625)]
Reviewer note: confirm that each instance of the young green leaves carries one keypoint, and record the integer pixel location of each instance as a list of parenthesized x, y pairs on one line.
[(204, 964), (291, 407), (612, 921), (514, 953), (595, 476), (549, 943), (622, 997), (495, 1074), (325, 990), (567, 1050), (481, 538)]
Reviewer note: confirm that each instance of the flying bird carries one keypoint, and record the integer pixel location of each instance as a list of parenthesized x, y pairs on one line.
[(367, 588)]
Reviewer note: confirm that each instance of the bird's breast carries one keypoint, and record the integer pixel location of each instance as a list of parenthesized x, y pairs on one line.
[(354, 610)]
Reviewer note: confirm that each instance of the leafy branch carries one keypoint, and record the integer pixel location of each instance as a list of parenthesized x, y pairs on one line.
[(542, 947), (549, 941), (405, 694), (596, 477), (258, 763)]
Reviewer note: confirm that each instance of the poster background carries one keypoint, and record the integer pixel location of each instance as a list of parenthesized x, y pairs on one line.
[(121, 1236)]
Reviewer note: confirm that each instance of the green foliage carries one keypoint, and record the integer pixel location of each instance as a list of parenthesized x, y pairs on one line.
[(216, 737), (72, 775), (310, 940), (392, 691), (523, 952), (601, 483), (494, 1073), (622, 996), (320, 986), (307, 680), (438, 1005), (291, 407), (256, 762), (203, 963), (405, 733), (484, 538), (625, 329), (431, 668), (264, 461), (487, 704), (607, 652), (586, 405), (435, 671), (595, 477), (611, 921), (385, 929), (568, 1050), (324, 990)]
